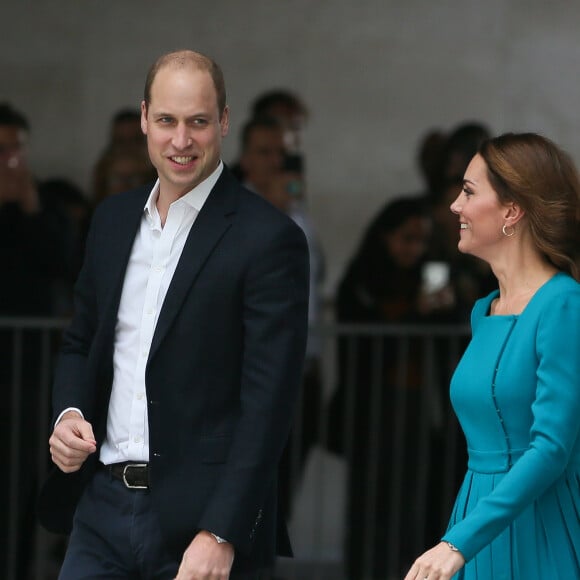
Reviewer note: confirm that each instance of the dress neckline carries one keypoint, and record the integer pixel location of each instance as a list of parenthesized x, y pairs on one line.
[(495, 294)]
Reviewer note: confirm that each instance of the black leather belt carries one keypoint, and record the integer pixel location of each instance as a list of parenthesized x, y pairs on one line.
[(133, 475)]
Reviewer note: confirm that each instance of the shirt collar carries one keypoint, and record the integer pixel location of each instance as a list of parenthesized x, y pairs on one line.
[(194, 198)]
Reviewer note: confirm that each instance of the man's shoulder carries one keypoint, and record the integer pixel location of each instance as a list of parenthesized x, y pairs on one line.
[(265, 219), (123, 204)]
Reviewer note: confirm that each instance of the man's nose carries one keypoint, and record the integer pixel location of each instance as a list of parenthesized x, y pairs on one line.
[(181, 138)]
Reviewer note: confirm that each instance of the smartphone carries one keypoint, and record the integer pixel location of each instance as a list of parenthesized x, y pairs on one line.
[(435, 276)]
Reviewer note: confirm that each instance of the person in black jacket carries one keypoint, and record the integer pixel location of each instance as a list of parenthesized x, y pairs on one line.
[(179, 375)]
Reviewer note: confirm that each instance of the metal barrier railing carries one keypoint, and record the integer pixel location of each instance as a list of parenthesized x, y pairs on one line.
[(28, 347), (385, 390), (381, 408)]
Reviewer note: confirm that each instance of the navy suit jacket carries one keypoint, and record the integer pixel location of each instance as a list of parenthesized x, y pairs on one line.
[(223, 371)]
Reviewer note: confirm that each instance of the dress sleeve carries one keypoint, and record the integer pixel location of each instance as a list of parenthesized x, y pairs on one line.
[(554, 433)]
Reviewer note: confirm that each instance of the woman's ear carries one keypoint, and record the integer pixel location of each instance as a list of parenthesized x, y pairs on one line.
[(513, 214)]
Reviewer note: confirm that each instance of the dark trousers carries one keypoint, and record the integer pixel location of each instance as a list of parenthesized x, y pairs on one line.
[(116, 536)]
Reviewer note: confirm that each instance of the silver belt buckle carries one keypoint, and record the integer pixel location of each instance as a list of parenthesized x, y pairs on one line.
[(129, 485)]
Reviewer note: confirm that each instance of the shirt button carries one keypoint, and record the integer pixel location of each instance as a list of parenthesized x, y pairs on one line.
[(138, 439), (140, 396)]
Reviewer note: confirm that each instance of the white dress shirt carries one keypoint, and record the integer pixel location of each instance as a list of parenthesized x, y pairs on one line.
[(154, 257)]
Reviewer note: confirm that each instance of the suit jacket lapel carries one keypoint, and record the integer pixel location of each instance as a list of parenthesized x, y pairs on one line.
[(211, 224), (123, 232)]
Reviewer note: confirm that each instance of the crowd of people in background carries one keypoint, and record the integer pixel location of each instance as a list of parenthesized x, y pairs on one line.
[(44, 222), (43, 225)]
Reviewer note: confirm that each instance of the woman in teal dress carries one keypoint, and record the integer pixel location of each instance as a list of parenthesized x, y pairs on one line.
[(516, 390)]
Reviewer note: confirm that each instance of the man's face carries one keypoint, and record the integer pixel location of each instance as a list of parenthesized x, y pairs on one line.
[(127, 133), (293, 122), (183, 127), (15, 178), (263, 157), (12, 147)]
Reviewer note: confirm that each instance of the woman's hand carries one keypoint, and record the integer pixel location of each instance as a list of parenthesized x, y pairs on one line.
[(438, 563), (442, 299)]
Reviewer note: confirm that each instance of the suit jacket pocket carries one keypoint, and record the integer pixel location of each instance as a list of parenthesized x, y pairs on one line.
[(214, 449)]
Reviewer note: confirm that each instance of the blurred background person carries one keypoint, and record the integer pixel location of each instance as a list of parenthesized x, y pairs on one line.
[(286, 192), (120, 170), (63, 196), (289, 110), (470, 277), (124, 162), (430, 159), (34, 251), (276, 172), (382, 284), (262, 154), (33, 236)]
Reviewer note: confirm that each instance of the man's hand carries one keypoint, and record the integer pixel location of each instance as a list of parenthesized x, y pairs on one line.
[(205, 559), (71, 442), (438, 563)]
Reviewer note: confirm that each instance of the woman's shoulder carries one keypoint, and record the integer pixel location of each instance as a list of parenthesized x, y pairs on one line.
[(555, 305), (561, 288), (563, 282)]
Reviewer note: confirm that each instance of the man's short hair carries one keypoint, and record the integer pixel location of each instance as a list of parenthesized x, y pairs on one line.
[(264, 102), (182, 58), (10, 117), (124, 115), (260, 122)]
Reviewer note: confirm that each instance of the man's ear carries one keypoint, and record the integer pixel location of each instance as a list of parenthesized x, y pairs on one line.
[(225, 121), (144, 117)]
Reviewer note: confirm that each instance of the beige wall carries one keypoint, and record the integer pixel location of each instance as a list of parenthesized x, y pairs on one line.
[(375, 73)]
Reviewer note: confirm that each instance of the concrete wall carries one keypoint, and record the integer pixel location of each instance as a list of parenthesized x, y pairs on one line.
[(376, 75)]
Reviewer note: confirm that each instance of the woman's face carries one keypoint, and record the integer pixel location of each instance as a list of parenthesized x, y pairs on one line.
[(481, 215), (408, 243)]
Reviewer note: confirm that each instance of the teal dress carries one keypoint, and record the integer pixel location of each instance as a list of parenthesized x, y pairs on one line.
[(516, 392)]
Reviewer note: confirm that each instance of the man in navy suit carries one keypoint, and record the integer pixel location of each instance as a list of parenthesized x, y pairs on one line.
[(179, 374)]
